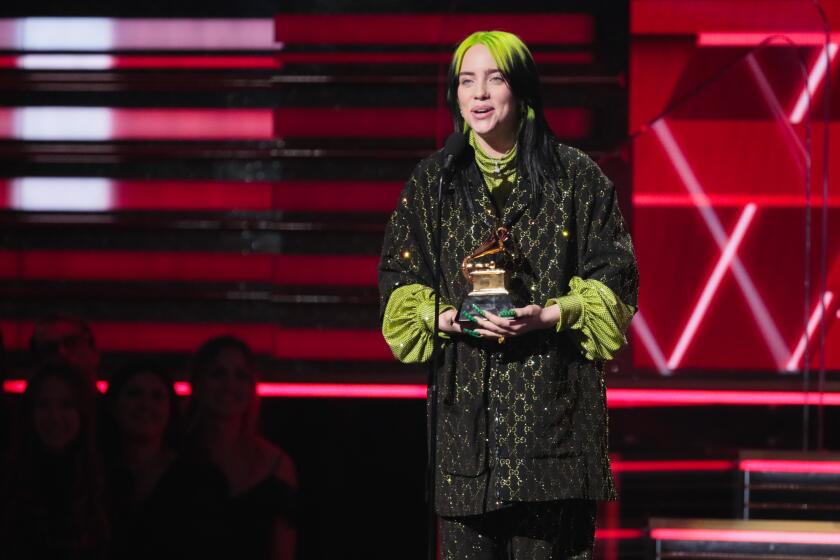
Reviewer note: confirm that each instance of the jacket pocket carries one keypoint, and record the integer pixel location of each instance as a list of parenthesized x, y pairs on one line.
[(553, 433), (461, 441)]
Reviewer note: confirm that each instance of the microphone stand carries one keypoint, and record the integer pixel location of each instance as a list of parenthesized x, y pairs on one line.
[(431, 466)]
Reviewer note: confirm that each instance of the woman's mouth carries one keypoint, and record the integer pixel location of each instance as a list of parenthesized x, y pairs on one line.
[(482, 112)]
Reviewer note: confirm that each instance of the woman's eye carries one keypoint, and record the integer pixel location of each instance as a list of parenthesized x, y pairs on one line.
[(497, 79), (466, 82)]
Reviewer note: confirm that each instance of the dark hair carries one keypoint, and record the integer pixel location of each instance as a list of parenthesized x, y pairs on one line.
[(116, 383), (202, 363), (537, 153), (34, 344), (25, 495), (208, 352)]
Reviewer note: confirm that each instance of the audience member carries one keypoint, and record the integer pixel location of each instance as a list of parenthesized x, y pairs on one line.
[(67, 340), (222, 422), (53, 496), (164, 503)]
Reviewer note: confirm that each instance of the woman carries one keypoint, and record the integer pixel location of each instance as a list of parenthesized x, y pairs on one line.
[(53, 504), (222, 419), (163, 502), (522, 419)]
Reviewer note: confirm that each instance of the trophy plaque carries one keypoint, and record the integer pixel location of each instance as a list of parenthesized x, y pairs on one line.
[(485, 270)]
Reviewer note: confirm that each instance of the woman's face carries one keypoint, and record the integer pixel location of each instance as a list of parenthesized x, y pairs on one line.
[(56, 417), (485, 98), (143, 409), (228, 385)]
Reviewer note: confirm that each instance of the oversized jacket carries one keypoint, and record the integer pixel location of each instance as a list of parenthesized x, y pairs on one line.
[(526, 420)]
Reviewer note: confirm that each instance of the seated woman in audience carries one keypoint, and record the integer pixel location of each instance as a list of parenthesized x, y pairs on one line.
[(163, 502), (222, 422), (53, 498)]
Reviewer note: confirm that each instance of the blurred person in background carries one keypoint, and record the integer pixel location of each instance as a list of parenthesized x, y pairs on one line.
[(53, 491), (222, 423), (163, 502), (68, 340)]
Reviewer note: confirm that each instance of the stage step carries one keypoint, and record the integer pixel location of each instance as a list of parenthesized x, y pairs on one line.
[(790, 485), (744, 539)]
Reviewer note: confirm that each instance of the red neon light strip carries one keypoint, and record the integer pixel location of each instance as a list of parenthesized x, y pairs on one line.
[(617, 398), (788, 466), (624, 398), (416, 58), (291, 390), (619, 534), (265, 124), (815, 79), (332, 390), (121, 34), (301, 196), (808, 335), (141, 124), (18, 386), (668, 200), (736, 39), (192, 124), (197, 62), (666, 17), (402, 122), (671, 466), (274, 62), (429, 29), (641, 328), (128, 62), (733, 535), (14, 386), (321, 270), (790, 136)]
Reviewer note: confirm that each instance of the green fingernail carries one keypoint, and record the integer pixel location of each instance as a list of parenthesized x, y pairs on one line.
[(507, 313), (469, 316), (477, 309), (472, 333)]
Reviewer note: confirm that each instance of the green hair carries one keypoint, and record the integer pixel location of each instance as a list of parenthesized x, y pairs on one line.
[(537, 144)]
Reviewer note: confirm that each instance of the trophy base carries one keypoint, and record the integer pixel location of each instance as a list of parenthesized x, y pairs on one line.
[(493, 302)]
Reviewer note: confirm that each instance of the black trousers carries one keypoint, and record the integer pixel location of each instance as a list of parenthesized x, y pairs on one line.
[(534, 531)]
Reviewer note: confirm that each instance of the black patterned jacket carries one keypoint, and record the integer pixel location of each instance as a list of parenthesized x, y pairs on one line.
[(527, 420)]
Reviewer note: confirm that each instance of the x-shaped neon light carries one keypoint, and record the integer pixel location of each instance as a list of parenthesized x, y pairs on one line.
[(785, 359)]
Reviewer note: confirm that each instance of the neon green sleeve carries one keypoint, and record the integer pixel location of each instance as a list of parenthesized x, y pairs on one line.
[(597, 316), (409, 323)]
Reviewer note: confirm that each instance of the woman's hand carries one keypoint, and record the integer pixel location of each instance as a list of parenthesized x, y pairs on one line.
[(523, 320), (490, 326), (447, 324)]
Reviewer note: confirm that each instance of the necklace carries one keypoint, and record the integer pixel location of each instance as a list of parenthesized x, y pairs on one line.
[(502, 166)]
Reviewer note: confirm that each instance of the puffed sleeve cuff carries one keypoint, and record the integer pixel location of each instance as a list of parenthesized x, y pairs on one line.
[(409, 322), (597, 316)]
